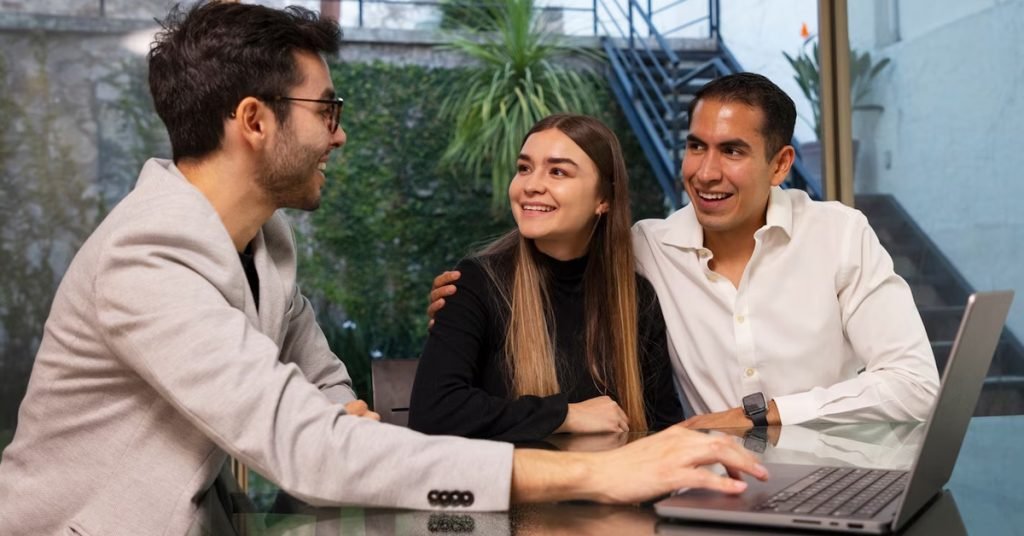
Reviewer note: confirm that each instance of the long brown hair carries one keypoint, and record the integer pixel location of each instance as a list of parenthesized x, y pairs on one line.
[(609, 285)]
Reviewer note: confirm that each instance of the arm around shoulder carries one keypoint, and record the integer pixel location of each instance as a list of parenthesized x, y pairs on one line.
[(448, 395)]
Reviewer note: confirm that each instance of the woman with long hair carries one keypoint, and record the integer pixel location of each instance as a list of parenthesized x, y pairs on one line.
[(550, 329)]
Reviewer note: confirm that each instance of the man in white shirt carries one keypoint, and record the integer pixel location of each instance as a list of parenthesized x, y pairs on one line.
[(767, 292), (779, 309)]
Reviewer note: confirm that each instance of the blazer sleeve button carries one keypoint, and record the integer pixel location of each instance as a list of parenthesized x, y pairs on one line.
[(445, 498), (467, 498), (433, 497)]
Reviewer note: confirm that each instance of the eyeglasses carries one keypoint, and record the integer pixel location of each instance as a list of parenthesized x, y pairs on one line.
[(333, 111)]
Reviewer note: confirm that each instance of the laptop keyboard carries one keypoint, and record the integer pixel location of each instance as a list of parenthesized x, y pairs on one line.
[(839, 492)]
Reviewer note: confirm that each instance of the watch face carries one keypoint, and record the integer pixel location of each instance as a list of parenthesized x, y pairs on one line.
[(753, 403)]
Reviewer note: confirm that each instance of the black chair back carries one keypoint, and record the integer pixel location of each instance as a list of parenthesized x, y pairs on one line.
[(392, 386)]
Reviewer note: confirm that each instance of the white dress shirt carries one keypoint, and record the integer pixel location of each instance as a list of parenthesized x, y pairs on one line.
[(820, 322)]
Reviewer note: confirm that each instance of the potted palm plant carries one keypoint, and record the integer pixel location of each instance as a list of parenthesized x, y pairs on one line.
[(807, 73), (520, 77)]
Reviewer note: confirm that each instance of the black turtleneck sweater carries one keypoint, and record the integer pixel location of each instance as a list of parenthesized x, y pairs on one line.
[(462, 387)]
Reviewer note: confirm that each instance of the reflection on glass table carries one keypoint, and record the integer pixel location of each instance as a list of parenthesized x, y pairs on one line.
[(982, 496)]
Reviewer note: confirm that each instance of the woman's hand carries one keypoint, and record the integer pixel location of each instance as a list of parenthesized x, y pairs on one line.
[(599, 414)]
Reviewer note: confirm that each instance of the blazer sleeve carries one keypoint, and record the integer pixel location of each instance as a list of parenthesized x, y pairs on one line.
[(162, 310), (447, 397), (661, 400), (304, 342), (306, 346)]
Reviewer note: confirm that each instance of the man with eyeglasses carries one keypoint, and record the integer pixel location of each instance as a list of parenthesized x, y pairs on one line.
[(178, 336)]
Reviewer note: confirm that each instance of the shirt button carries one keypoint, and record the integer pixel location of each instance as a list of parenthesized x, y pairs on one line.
[(740, 319), (750, 372), (703, 253), (712, 277)]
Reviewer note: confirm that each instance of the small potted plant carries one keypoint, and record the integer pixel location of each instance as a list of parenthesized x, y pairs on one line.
[(863, 70)]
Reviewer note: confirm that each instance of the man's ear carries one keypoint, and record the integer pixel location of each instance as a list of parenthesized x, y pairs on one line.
[(782, 163), (255, 121)]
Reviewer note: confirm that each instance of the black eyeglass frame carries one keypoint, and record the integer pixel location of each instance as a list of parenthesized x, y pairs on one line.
[(334, 118)]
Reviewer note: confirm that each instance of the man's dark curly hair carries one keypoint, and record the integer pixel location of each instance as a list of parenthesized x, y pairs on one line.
[(209, 57)]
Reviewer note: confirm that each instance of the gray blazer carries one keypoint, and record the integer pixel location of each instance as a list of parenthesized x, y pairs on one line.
[(155, 366)]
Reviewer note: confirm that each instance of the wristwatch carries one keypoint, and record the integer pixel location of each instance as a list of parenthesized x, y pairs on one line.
[(756, 409)]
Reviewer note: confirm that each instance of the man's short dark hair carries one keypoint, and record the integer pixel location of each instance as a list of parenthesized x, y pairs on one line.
[(211, 56), (761, 93)]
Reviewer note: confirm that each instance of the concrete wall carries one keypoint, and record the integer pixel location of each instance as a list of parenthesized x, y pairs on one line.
[(119, 9), (947, 144), (759, 32)]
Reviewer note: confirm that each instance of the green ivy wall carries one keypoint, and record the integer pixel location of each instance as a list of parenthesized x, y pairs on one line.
[(391, 219)]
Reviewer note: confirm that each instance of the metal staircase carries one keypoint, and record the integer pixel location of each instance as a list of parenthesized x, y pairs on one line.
[(940, 292), (654, 78)]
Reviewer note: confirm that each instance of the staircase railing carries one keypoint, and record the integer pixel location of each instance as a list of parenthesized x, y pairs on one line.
[(649, 79), (643, 76), (652, 84)]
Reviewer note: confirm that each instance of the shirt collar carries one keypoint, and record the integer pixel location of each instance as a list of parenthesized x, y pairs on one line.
[(682, 229), (780, 212)]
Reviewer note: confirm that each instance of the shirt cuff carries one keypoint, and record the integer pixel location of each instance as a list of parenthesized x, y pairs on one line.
[(797, 408)]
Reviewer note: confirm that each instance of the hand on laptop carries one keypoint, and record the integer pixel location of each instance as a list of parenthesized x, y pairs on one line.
[(670, 460)]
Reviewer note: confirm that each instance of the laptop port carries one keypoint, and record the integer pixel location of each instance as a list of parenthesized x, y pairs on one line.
[(807, 521), (855, 525)]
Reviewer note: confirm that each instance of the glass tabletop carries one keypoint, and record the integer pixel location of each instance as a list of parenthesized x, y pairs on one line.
[(981, 496)]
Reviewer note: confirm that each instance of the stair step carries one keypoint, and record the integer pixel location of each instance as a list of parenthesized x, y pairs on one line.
[(1000, 399), (942, 323), (1006, 362), (874, 204), (928, 296), (894, 233)]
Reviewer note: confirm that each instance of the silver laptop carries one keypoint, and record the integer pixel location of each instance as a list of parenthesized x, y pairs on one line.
[(851, 499)]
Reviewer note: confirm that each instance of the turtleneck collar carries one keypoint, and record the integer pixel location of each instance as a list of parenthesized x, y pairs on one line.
[(565, 273)]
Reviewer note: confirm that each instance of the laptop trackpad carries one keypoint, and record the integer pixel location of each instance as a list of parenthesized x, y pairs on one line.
[(779, 477)]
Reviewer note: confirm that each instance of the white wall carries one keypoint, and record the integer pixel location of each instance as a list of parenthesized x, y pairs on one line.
[(948, 144), (758, 32)]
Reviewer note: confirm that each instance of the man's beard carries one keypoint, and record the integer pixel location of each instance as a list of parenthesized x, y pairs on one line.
[(288, 173)]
